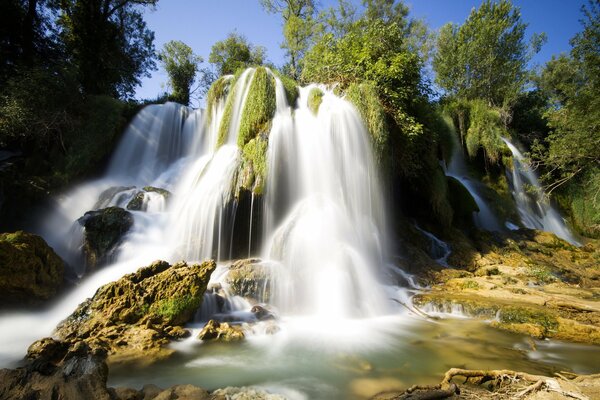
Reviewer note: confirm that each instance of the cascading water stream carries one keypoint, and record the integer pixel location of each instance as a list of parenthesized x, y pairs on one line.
[(329, 242), (534, 206)]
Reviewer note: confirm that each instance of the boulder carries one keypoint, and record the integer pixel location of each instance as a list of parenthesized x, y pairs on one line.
[(58, 371), (104, 230), (30, 271), (251, 279), (107, 196), (222, 331), (137, 202), (136, 316)]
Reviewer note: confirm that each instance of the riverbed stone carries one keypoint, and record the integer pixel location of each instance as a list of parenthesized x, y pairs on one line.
[(221, 331), (251, 279)]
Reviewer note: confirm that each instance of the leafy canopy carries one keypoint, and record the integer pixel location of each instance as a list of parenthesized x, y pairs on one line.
[(181, 64)]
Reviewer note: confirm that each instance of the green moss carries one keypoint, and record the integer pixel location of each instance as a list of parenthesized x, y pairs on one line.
[(541, 274), (364, 97), (254, 165), (227, 114), (290, 86), (217, 91), (485, 131), (259, 108), (172, 309), (524, 315), (469, 285), (315, 98)]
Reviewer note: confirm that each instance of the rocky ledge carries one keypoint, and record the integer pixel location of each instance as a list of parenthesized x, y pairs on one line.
[(133, 318), (528, 282)]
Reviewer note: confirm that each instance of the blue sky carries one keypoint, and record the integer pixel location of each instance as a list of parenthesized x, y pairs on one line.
[(200, 23)]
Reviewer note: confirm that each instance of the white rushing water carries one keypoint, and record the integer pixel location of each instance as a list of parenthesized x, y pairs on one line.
[(323, 214), (485, 218), (534, 206)]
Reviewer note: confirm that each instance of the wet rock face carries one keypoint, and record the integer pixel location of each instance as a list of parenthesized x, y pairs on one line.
[(137, 202), (30, 271), (250, 279), (58, 371), (134, 317), (222, 331), (104, 230)]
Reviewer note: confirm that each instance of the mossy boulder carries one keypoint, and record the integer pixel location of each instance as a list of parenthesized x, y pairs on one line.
[(315, 98), (251, 279), (221, 331), (30, 271), (104, 230), (136, 316)]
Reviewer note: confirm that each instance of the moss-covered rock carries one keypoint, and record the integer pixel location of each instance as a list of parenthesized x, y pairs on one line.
[(227, 113), (259, 108), (30, 271), (104, 230), (253, 169), (221, 331), (134, 317), (251, 279), (315, 98), (291, 88), (364, 97), (218, 91)]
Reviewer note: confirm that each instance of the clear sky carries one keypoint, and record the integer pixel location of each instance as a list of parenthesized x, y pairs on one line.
[(200, 23)]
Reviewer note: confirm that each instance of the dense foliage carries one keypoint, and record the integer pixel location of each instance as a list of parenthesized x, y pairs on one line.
[(180, 62), (234, 53)]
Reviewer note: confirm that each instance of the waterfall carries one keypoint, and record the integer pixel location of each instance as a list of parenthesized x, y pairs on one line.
[(329, 242), (457, 169), (533, 204), (322, 212)]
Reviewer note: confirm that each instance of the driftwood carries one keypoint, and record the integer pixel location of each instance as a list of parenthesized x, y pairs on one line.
[(507, 384)]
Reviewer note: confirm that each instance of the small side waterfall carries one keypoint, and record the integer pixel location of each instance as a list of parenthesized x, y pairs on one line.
[(533, 204), (485, 218)]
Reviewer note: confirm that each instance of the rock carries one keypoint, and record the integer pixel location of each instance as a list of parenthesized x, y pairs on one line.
[(78, 372), (107, 196), (136, 316), (30, 271), (261, 313), (246, 393), (222, 331), (183, 392), (251, 279), (104, 230), (137, 202)]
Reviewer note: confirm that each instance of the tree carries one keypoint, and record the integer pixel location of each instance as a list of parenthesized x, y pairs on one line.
[(486, 57), (298, 28), (108, 42), (235, 52), (572, 83), (181, 64)]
